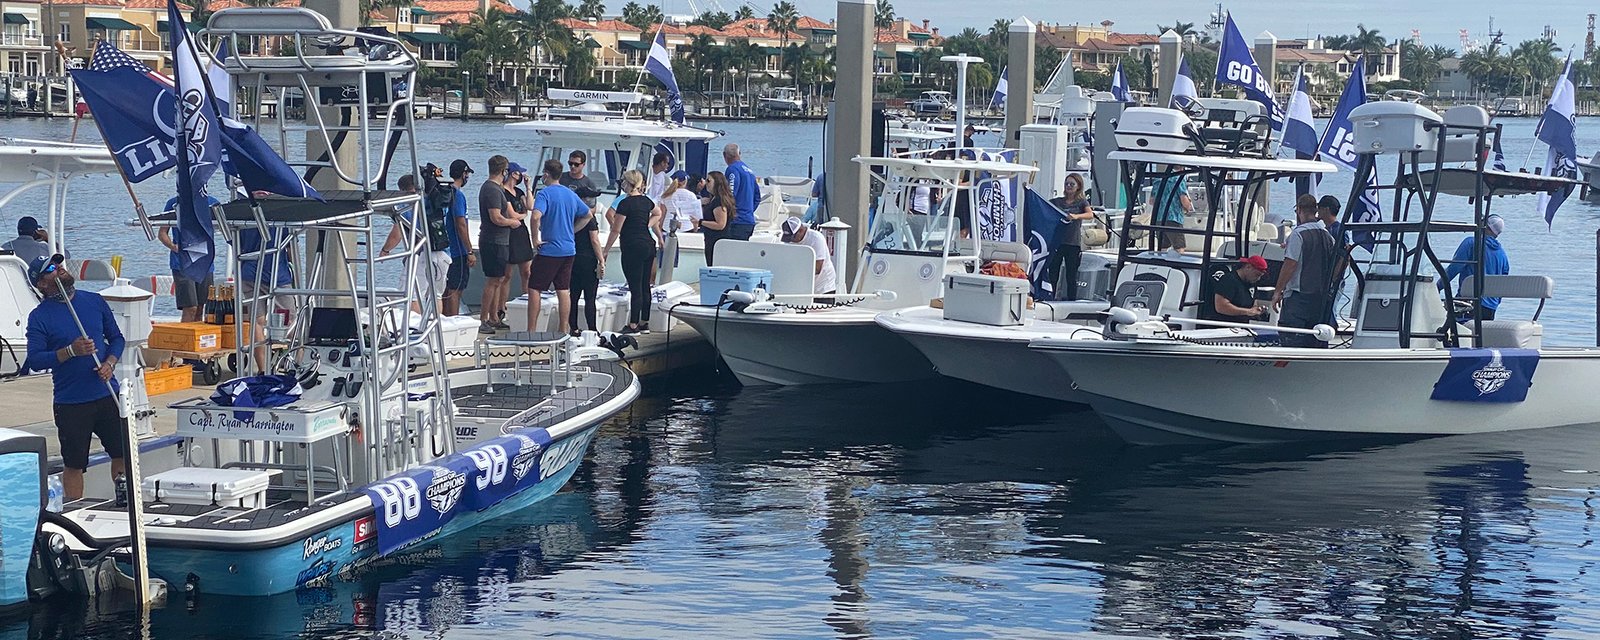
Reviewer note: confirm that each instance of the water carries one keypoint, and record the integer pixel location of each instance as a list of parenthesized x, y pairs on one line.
[(941, 509), (944, 510)]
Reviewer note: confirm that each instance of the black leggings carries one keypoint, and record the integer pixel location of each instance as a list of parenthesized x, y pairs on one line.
[(585, 284), (712, 236), (1066, 257), (636, 261)]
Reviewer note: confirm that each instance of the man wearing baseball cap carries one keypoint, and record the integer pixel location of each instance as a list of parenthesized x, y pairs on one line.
[(84, 405), (30, 241), (462, 256), (796, 232), (1233, 297)]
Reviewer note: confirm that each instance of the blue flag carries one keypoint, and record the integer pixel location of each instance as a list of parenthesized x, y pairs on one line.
[(199, 151), (1000, 88), (1236, 65), (659, 64), (133, 108), (1042, 221), (1119, 86), (1558, 129), (1339, 148), (1184, 92), (1299, 130)]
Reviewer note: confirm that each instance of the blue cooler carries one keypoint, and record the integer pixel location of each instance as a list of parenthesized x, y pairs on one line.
[(714, 281)]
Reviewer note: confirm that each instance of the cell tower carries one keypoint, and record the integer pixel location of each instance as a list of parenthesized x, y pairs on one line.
[(1588, 39), (1416, 36), (1466, 41), (1549, 33)]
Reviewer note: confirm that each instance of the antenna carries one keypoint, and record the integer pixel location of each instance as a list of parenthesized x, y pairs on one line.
[(1496, 38), (1588, 39), (1549, 33)]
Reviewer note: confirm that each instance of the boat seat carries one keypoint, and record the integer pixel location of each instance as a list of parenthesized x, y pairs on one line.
[(1086, 311), (1511, 334), (1014, 252)]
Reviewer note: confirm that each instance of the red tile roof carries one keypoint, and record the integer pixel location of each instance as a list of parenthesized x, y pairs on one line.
[(218, 5), (574, 24), (808, 22), (889, 37), (1133, 39), (98, 3), (615, 25)]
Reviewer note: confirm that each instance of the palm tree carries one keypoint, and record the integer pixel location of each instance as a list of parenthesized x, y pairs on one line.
[(999, 32), (1487, 68), (1536, 61), (1422, 65), (744, 13), (1184, 29), (538, 35), (642, 16), (713, 19), (784, 19), (591, 9), (1370, 44), (884, 16)]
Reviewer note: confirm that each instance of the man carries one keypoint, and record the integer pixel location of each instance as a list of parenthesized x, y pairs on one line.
[(1328, 213), (1233, 297), (496, 219), (579, 182), (823, 278), (439, 260), (1495, 263), (1305, 282), (966, 136), (1171, 205), (557, 211), (84, 404), (462, 256), (191, 296), (746, 194), (280, 273), (660, 175), (31, 242)]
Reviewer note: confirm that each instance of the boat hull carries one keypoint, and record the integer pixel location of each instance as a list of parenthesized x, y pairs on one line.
[(1180, 393), (991, 356), (830, 347)]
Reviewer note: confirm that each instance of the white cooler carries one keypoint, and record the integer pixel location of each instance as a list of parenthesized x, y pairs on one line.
[(983, 299), (663, 297), (202, 486), (517, 313), (617, 299)]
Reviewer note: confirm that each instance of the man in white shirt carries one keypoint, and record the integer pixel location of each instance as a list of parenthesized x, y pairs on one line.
[(796, 232), (660, 176), (1304, 289)]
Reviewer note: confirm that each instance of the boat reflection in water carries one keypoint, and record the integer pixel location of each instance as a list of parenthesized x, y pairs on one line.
[(911, 510)]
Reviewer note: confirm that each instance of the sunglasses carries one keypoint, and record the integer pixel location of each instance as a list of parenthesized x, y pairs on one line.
[(574, 163), (49, 268)]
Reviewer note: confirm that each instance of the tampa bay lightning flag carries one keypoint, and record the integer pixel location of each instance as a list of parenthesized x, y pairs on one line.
[(1339, 148), (1300, 131), (1119, 86), (1000, 88), (1184, 92), (198, 152), (132, 107), (659, 64), (1042, 221), (1558, 129), (1236, 65)]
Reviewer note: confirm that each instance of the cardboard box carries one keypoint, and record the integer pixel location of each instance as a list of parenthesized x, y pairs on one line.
[(197, 337), (168, 380), (228, 342)]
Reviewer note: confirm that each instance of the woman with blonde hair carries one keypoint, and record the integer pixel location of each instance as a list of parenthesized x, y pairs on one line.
[(635, 220), (718, 210)]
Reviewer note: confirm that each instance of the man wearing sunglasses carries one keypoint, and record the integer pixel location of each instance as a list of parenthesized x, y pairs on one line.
[(577, 180), (84, 405)]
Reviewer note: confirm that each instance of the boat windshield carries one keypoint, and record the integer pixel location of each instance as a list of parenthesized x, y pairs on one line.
[(605, 163), (929, 216)]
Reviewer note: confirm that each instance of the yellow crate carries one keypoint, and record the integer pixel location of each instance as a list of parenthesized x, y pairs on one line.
[(228, 341), (168, 380), (196, 337)]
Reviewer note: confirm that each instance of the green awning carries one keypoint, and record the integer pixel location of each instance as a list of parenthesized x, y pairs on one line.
[(635, 45), (419, 11), (772, 51), (591, 43), (424, 37), (16, 18), (822, 30), (110, 24), (881, 55), (920, 36), (906, 56)]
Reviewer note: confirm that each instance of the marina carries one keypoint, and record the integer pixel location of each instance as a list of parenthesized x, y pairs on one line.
[(1151, 349)]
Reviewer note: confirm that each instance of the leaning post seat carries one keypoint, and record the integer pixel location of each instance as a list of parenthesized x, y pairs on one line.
[(1512, 334)]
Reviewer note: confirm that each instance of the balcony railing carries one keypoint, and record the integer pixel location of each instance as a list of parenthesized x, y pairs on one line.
[(14, 40)]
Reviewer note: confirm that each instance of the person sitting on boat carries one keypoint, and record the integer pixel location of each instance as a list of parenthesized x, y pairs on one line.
[(1233, 297), (191, 296), (1171, 205), (1306, 280), (32, 242), (1066, 253), (84, 404), (822, 278), (1495, 263)]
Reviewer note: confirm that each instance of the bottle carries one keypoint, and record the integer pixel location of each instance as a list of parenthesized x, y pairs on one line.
[(56, 492), (122, 491)]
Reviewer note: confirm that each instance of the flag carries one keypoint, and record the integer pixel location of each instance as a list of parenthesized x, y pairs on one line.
[(1000, 88), (659, 64), (1300, 131), (994, 211), (1339, 148), (199, 152), (1119, 86), (1042, 220), (1184, 93), (1499, 156), (1236, 65), (1558, 129), (133, 107)]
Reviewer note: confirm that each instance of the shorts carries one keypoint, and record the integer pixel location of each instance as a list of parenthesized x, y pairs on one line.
[(76, 422), (247, 289), (459, 274), (190, 294), (521, 246), (550, 272), (493, 258), (439, 266), (1175, 239)]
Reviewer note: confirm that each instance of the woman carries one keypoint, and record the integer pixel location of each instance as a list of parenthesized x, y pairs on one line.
[(1066, 253), (635, 220), (521, 201), (716, 212), (587, 270), (682, 207)]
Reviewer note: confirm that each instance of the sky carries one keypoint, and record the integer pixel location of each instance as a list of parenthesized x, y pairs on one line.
[(1439, 22)]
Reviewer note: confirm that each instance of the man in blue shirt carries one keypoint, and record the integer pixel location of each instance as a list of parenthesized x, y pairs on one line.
[(746, 194), (84, 404), (1495, 263), (462, 256), (191, 295), (280, 273), (557, 210)]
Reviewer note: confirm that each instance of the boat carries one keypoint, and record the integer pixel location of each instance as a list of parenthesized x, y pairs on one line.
[(1411, 367), (786, 335), (1048, 100), (782, 100), (362, 456), (932, 102), (1512, 107)]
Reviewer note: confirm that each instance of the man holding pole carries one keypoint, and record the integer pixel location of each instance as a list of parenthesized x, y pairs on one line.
[(74, 334)]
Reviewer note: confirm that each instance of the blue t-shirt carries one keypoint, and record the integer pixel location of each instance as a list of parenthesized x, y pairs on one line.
[(250, 241), (1168, 198), (177, 237), (746, 192), (458, 209), (558, 208), (50, 327)]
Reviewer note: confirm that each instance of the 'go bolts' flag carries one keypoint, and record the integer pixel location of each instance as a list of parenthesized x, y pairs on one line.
[(198, 150), (1339, 147), (1237, 66), (1557, 128), (1184, 93), (659, 64), (1119, 86), (1000, 88)]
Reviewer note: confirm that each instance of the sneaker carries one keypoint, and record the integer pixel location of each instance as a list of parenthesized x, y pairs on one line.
[(501, 324), (629, 330), (485, 328), (644, 331)]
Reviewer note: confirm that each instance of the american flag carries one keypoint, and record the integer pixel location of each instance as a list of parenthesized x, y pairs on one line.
[(108, 58)]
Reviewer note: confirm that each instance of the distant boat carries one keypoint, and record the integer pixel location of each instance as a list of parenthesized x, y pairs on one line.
[(783, 99), (934, 102), (1510, 107)]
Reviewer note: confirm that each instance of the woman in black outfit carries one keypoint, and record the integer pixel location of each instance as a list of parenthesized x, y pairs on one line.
[(1067, 252), (587, 270), (716, 212), (636, 220), (516, 188)]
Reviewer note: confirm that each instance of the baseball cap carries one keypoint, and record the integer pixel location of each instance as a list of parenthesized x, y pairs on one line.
[(791, 226), (1330, 203), (459, 167), (516, 168), (26, 225), (680, 175), (1255, 262), (1495, 224), (42, 265)]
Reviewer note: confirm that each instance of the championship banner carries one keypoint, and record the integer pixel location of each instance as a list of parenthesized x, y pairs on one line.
[(1487, 375), (994, 209)]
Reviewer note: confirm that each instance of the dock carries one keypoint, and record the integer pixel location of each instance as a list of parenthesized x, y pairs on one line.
[(29, 407)]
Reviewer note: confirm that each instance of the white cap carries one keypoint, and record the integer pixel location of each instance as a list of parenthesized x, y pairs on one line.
[(792, 226)]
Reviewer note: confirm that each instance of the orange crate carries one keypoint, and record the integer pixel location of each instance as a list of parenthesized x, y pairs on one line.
[(168, 380), (186, 336), (228, 341)]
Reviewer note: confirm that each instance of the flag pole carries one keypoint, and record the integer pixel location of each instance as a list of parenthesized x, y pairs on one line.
[(138, 206)]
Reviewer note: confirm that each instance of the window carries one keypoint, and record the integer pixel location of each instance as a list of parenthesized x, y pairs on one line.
[(403, 14), (66, 32)]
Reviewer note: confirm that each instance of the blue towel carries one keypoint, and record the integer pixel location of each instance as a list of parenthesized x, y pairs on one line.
[(257, 391)]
